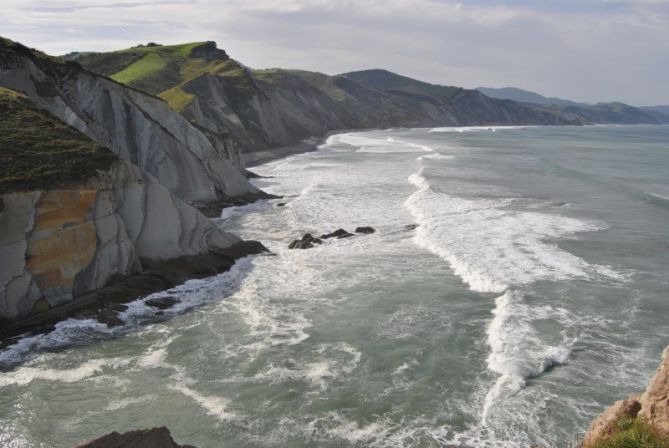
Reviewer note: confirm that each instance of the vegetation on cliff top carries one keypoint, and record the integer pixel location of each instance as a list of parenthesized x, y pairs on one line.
[(634, 433), (38, 151), (164, 70)]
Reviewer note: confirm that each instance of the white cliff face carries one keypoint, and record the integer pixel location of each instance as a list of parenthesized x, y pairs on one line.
[(141, 128), (58, 244)]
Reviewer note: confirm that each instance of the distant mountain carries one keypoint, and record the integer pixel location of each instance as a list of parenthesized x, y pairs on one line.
[(659, 112), (600, 113), (264, 109), (524, 96)]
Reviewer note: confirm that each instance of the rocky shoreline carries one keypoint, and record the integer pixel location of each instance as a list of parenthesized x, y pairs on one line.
[(105, 304)]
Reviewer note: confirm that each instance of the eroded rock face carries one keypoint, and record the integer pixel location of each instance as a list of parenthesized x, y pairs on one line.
[(655, 401), (140, 128), (143, 438), (652, 407), (59, 244)]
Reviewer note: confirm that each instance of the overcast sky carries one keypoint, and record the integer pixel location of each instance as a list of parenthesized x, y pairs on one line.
[(587, 50)]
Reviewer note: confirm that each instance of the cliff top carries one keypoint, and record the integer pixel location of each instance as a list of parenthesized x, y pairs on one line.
[(156, 68), (37, 150)]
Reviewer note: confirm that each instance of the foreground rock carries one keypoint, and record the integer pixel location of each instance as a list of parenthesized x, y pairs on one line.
[(652, 408), (143, 438), (306, 242), (365, 230)]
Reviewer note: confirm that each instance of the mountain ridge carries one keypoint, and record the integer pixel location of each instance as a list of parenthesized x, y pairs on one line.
[(270, 108), (614, 112)]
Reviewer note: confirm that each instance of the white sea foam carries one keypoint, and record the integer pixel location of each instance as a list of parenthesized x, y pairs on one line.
[(516, 350), (477, 128), (215, 406), (26, 375), (491, 246)]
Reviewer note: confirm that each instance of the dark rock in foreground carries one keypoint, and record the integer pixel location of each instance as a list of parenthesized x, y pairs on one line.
[(307, 242), (339, 234), (143, 438), (365, 230)]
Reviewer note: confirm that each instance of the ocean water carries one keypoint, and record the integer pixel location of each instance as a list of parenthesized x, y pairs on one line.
[(516, 285)]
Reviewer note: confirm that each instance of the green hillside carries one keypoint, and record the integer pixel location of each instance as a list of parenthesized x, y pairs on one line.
[(163, 69), (37, 150)]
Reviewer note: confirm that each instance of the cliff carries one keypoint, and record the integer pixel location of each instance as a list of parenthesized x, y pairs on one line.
[(640, 420), (75, 219), (263, 109), (197, 166)]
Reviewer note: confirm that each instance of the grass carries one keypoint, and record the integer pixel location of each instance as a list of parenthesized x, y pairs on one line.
[(148, 65), (634, 433), (177, 98), (38, 151)]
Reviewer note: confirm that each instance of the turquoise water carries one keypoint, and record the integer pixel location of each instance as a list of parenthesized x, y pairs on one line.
[(531, 294)]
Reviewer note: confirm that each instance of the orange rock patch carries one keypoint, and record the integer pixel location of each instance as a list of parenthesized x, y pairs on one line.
[(64, 239)]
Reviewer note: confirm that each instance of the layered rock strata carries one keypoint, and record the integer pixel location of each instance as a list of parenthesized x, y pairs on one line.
[(60, 244)]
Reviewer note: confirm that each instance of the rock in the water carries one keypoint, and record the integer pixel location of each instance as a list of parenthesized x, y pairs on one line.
[(281, 204), (410, 227), (162, 303), (339, 233), (110, 317), (143, 438), (306, 242), (366, 230)]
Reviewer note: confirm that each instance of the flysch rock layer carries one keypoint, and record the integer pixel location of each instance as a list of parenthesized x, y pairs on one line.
[(57, 245), (140, 128)]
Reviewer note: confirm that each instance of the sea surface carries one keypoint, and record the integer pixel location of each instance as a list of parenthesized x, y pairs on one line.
[(516, 285)]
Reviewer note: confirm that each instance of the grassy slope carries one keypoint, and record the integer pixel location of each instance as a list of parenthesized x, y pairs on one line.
[(163, 70), (39, 151), (634, 433), (146, 66)]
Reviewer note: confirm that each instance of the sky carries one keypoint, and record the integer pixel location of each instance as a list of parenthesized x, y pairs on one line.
[(584, 50)]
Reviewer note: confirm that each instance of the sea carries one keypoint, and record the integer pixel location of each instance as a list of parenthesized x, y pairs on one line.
[(516, 285)]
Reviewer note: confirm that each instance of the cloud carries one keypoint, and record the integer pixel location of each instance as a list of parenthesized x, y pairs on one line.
[(583, 49)]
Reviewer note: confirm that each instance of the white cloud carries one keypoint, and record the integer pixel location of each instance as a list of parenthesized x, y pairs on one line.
[(584, 49)]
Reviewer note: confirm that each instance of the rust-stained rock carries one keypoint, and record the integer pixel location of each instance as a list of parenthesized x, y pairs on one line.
[(63, 241)]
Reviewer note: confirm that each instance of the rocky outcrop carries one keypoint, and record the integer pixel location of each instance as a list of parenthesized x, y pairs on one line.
[(209, 52), (339, 234), (652, 407), (142, 129), (143, 438), (56, 245), (655, 400), (306, 242)]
